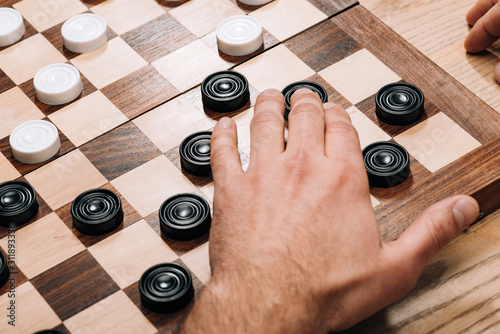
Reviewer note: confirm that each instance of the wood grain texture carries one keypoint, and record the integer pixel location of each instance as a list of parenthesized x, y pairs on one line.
[(331, 8), (466, 109), (67, 284), (113, 155), (438, 29), (140, 91)]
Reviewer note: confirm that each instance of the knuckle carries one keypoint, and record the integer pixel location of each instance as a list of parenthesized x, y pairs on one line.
[(340, 127), (438, 232), (304, 108), (221, 150), (268, 118)]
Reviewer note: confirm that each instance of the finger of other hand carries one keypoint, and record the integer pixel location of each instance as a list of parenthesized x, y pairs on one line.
[(485, 31), (224, 155), (306, 123), (478, 10), (267, 129)]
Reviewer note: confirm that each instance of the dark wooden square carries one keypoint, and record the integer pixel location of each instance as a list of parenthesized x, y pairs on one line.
[(54, 36), (158, 37), (164, 321), (322, 45), (5, 82), (74, 285), (66, 146), (331, 8), (130, 216), (120, 150), (28, 88), (140, 91)]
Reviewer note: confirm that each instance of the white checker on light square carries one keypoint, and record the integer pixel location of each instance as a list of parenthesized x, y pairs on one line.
[(61, 180), (167, 125), (128, 253), (198, 262), (437, 141), (358, 76), (43, 14), (188, 66), (16, 108), (286, 18), (22, 61), (275, 68), (125, 15), (7, 171), (368, 132), (44, 244), (32, 311), (113, 61), (88, 118), (148, 186), (202, 16), (115, 314)]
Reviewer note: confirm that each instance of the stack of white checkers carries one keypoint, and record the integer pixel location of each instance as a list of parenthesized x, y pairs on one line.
[(56, 84)]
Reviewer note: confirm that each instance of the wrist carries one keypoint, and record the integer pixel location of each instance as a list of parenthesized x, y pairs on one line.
[(256, 305)]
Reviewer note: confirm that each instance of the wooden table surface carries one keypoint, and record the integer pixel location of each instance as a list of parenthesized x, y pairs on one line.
[(459, 291)]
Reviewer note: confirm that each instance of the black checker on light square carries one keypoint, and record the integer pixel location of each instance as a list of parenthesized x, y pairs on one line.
[(74, 285), (158, 38), (322, 45), (120, 150), (140, 91)]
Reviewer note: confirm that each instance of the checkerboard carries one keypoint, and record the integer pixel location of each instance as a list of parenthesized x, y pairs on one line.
[(141, 97)]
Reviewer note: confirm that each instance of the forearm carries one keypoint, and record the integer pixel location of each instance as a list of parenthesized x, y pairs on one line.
[(249, 306)]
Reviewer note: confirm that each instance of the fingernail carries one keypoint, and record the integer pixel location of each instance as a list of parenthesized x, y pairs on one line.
[(225, 122), (271, 92), (302, 91), (465, 211)]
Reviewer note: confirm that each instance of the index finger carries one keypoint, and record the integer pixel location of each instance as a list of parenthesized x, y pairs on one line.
[(485, 32), (478, 10)]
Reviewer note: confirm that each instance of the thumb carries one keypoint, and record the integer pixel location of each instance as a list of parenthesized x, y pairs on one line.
[(437, 226)]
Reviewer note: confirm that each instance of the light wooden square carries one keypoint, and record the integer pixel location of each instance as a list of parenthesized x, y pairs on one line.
[(7, 171), (32, 311), (286, 18), (243, 121), (202, 16), (16, 108), (113, 61), (437, 141), (44, 244), (128, 253), (22, 61), (61, 180), (167, 125), (368, 131), (188, 66), (275, 68), (374, 201), (88, 118), (148, 186), (48, 13), (125, 15), (359, 76), (115, 314), (198, 262)]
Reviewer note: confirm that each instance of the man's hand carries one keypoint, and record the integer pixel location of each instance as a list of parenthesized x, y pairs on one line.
[(294, 244), (484, 18)]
